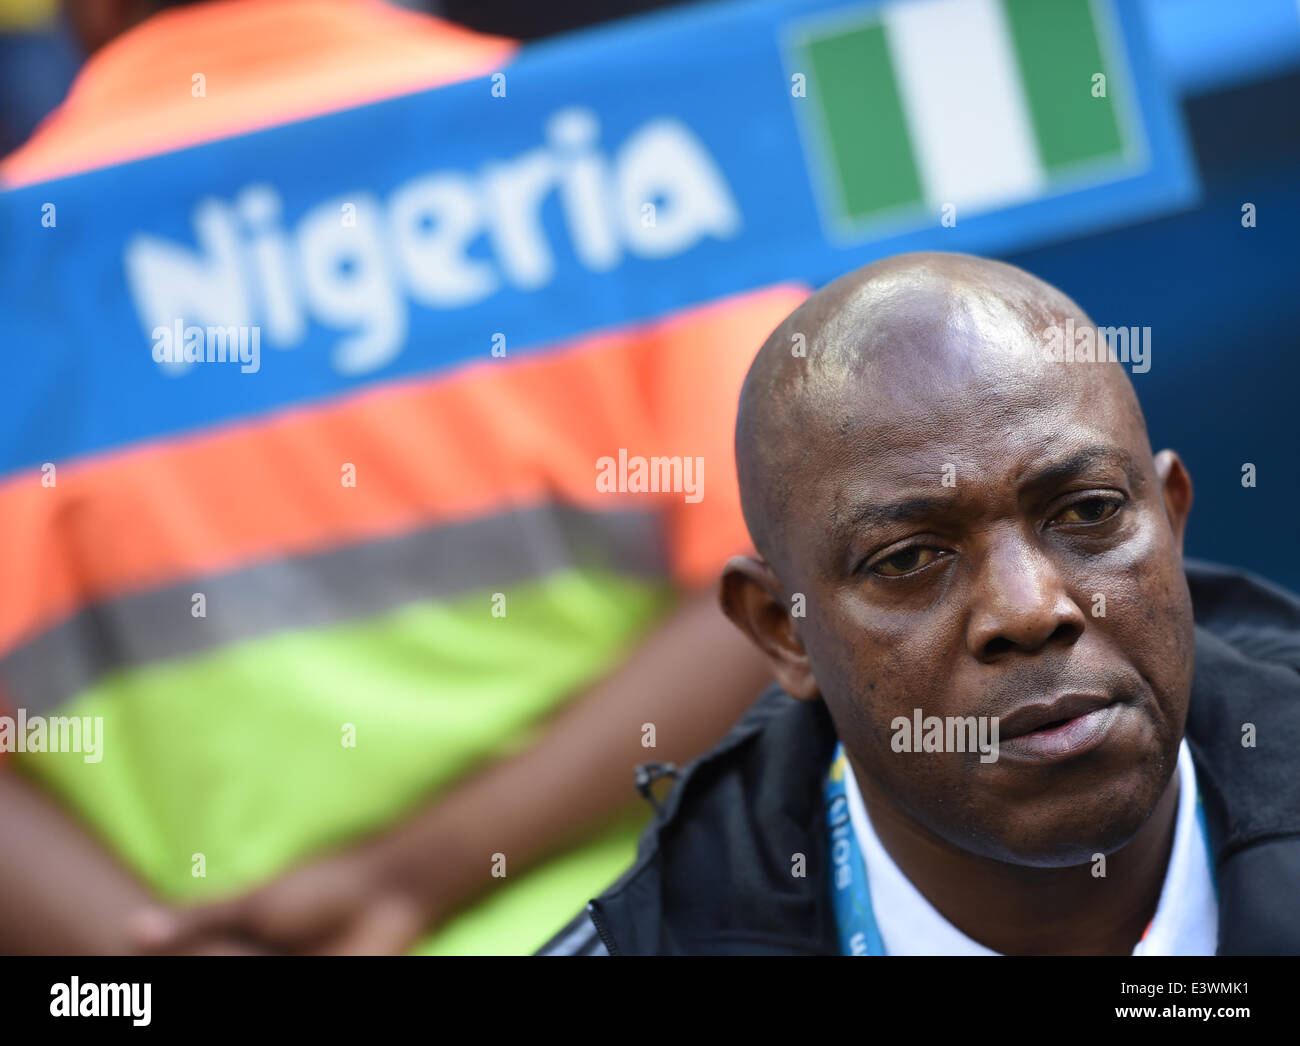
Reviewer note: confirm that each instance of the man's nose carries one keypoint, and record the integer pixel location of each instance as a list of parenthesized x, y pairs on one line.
[(1020, 602)]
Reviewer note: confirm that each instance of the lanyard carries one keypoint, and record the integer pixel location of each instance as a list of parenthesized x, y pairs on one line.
[(850, 892)]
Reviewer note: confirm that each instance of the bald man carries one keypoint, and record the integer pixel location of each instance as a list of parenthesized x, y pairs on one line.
[(1010, 718)]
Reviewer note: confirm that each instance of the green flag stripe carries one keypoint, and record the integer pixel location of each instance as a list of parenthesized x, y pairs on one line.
[(1059, 53), (854, 88)]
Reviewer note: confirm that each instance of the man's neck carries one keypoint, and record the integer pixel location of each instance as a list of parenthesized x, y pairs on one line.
[(1018, 910)]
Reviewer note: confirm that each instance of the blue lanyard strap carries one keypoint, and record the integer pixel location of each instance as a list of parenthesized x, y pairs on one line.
[(850, 894), (1209, 846)]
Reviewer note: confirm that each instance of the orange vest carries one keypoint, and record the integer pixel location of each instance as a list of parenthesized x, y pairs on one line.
[(211, 70)]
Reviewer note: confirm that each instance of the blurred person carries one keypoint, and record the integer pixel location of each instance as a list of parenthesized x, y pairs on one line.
[(38, 59), (494, 753), (984, 537)]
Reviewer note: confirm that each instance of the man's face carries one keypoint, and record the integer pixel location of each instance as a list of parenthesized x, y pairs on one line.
[(977, 533)]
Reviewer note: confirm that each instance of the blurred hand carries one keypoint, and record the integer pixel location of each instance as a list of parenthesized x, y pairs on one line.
[(209, 945), (338, 905)]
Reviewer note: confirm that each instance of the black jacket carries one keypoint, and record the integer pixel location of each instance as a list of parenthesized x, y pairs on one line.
[(712, 874)]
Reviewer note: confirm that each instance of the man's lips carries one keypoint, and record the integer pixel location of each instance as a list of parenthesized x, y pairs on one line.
[(1058, 729), (1043, 715)]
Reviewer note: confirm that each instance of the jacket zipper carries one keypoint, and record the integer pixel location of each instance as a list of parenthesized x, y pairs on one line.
[(601, 931)]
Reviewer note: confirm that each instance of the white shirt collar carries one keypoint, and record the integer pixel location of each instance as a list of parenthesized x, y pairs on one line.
[(1185, 923)]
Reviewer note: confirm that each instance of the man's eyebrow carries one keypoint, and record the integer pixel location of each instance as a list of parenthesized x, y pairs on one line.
[(1080, 462), (907, 510)]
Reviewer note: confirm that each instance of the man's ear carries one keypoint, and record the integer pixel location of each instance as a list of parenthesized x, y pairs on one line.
[(1176, 491), (752, 597)]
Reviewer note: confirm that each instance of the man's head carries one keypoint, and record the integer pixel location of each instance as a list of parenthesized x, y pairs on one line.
[(948, 521)]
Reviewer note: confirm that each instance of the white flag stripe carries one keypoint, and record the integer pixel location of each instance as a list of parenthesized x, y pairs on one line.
[(964, 102)]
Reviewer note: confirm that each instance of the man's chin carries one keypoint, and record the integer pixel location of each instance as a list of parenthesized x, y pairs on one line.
[(1072, 831), (1068, 846)]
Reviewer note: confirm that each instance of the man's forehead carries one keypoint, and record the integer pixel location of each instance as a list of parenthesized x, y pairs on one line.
[(897, 407)]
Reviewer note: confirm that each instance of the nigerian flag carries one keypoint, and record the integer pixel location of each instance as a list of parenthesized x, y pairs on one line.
[(973, 103)]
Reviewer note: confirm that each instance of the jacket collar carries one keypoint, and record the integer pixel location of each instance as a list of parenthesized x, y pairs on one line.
[(715, 871)]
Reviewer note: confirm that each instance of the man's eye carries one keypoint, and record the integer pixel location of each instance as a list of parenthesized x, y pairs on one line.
[(1090, 510), (906, 561)]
